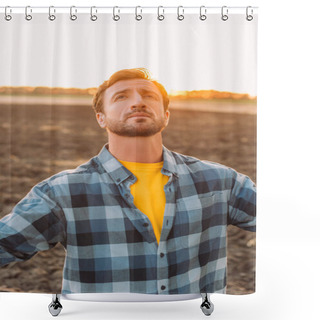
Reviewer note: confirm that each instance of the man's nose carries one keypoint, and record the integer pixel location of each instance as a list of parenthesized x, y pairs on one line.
[(137, 101)]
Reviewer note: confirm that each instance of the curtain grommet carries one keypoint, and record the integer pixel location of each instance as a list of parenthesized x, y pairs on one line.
[(160, 16), (73, 16), (7, 16), (52, 17), (138, 16), (249, 17), (116, 17), (180, 15), (93, 17), (224, 13), (203, 13), (28, 16)]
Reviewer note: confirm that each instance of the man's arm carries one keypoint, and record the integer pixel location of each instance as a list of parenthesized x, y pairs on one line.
[(242, 202), (35, 224)]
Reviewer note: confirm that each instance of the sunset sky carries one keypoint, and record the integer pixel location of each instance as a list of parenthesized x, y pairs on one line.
[(183, 55)]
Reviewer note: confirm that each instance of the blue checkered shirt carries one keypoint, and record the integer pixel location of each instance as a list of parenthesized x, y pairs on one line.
[(110, 244)]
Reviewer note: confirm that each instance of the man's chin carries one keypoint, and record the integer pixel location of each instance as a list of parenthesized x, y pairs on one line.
[(140, 119), (135, 132), (140, 128), (138, 133)]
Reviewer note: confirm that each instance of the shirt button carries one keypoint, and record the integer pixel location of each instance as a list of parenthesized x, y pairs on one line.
[(163, 287), (118, 180), (161, 255), (127, 195), (146, 224)]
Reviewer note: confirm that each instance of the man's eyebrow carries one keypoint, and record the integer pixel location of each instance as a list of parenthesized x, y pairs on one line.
[(120, 91), (149, 91)]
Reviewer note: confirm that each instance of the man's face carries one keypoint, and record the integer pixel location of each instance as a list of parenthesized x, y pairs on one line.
[(133, 108)]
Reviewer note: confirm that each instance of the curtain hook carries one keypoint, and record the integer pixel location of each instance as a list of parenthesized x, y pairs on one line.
[(93, 17), (138, 16), (7, 16), (73, 16), (224, 13), (52, 16), (203, 15), (116, 17), (160, 16), (28, 16), (180, 15), (249, 16)]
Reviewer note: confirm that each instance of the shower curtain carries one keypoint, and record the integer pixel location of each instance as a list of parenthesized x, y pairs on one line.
[(52, 62)]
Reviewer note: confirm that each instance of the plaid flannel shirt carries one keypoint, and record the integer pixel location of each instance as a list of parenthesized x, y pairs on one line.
[(110, 244)]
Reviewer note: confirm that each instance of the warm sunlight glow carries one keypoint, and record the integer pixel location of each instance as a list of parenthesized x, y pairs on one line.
[(175, 95)]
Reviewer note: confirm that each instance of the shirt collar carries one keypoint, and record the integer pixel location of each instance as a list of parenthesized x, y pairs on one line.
[(114, 168), (120, 173), (169, 162)]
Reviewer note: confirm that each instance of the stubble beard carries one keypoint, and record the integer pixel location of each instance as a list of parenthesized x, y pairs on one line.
[(140, 127)]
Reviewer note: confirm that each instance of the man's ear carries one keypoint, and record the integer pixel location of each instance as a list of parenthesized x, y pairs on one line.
[(101, 118), (167, 116)]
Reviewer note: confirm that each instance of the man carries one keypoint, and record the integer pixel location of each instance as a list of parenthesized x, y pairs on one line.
[(137, 217)]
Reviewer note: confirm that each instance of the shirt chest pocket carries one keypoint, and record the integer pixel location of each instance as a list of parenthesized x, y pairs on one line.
[(199, 216)]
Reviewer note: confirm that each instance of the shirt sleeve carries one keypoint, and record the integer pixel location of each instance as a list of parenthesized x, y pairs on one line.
[(242, 202), (35, 224)]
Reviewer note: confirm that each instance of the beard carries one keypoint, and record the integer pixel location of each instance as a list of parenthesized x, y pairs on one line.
[(139, 128)]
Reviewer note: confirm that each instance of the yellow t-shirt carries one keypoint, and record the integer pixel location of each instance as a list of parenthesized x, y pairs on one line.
[(148, 193)]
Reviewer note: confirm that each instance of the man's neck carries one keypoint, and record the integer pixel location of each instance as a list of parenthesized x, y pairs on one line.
[(136, 149)]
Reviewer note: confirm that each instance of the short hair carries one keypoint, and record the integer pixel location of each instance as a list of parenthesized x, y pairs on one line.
[(127, 74)]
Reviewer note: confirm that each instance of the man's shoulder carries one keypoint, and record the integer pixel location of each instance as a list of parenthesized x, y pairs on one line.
[(195, 164), (204, 170), (78, 174)]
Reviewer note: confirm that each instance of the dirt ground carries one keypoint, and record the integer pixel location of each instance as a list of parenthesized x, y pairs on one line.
[(40, 140)]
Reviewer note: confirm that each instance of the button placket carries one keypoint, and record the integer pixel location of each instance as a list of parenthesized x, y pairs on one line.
[(140, 221), (169, 209), (162, 268)]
